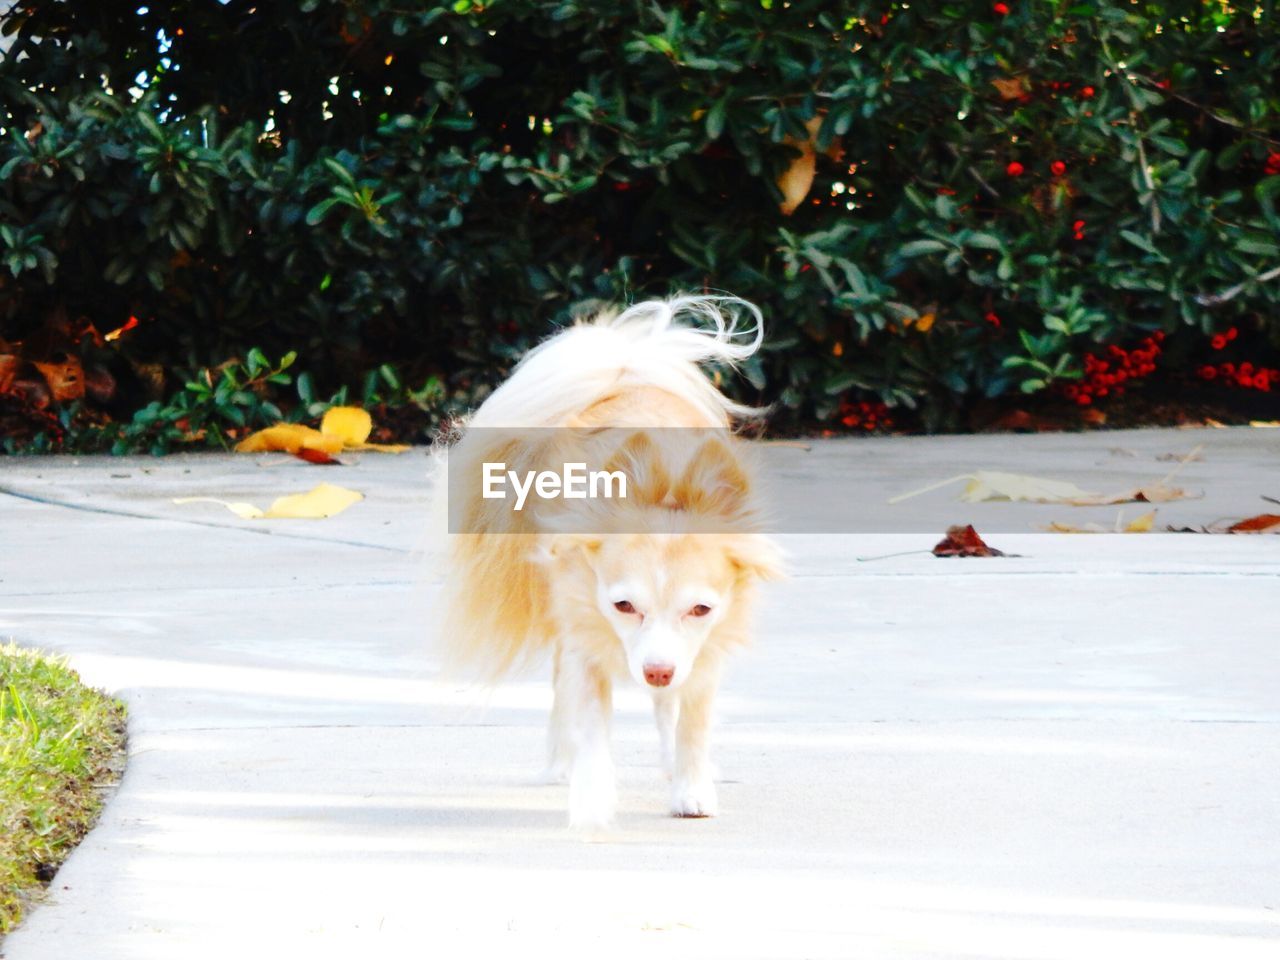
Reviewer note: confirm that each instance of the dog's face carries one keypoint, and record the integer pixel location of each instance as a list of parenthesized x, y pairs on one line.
[(662, 596)]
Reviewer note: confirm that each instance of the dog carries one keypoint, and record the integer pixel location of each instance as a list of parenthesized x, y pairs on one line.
[(655, 588)]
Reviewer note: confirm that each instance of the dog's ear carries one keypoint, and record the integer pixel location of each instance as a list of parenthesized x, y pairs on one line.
[(640, 461), (554, 547), (759, 557), (714, 483)]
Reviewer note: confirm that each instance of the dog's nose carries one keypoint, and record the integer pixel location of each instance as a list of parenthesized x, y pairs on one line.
[(658, 674)]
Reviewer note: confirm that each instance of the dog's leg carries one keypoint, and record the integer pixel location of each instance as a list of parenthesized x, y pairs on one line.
[(559, 736), (666, 711), (693, 794), (586, 696)]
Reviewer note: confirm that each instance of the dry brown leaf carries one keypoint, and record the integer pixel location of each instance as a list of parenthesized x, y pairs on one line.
[(9, 364), (65, 379), (1152, 493), (1093, 416), (1262, 523), (1011, 88), (1158, 492), (963, 541), (319, 457), (796, 181), (996, 485)]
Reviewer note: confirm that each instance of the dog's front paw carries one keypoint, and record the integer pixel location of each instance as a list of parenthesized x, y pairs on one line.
[(694, 798)]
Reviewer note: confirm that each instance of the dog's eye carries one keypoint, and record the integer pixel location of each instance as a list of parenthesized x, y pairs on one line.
[(701, 610), (624, 606)]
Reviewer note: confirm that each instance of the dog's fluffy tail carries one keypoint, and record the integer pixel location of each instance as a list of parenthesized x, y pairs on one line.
[(658, 344), (497, 604)]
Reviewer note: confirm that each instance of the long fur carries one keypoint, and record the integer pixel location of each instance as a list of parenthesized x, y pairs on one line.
[(638, 368)]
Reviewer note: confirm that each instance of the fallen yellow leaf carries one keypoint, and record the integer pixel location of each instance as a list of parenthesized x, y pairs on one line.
[(995, 485), (381, 447), (289, 438), (343, 428), (1142, 524), (351, 424), (325, 500), (245, 511), (1152, 493)]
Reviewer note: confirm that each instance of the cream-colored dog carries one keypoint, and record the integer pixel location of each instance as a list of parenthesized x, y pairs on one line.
[(656, 586)]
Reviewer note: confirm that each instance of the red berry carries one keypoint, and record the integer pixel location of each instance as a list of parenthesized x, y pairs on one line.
[(1078, 225), (1084, 399), (992, 318), (1001, 8), (1014, 169), (1058, 168), (1232, 333), (1207, 372), (1087, 93), (1218, 342)]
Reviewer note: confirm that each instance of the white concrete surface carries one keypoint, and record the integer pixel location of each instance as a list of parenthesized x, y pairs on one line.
[(1072, 753)]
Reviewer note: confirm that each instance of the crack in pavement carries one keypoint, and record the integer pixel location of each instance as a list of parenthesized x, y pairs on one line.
[(263, 531)]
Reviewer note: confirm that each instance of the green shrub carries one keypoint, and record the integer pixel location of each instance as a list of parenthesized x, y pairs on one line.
[(998, 189)]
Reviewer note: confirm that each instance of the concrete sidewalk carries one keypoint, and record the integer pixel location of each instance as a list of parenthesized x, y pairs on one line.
[(1071, 753)]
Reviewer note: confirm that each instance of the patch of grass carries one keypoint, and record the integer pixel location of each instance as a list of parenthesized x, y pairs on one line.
[(61, 745)]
